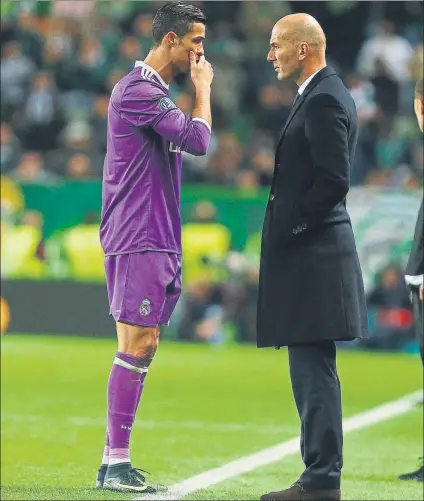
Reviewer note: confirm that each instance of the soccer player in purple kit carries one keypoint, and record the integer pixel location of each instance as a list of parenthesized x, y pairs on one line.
[(140, 231)]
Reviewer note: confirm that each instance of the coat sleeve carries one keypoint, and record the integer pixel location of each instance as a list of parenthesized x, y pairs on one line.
[(326, 129)]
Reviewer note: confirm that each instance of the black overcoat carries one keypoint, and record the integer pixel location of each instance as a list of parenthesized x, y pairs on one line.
[(310, 286)]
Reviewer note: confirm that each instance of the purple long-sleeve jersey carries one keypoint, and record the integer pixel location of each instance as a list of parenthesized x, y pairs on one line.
[(142, 169)]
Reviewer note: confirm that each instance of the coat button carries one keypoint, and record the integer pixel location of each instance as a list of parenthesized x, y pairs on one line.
[(271, 198)]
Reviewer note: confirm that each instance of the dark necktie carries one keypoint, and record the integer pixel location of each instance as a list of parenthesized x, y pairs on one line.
[(296, 98)]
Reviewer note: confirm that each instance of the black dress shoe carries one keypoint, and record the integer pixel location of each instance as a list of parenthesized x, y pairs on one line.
[(298, 493), (415, 475)]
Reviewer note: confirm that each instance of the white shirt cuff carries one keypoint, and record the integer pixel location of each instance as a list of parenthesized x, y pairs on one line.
[(203, 122), (414, 279)]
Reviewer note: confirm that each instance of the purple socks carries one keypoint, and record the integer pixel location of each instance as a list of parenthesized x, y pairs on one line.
[(126, 383)]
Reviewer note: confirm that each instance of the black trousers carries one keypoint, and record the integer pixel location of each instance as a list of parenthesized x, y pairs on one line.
[(316, 389), (418, 309)]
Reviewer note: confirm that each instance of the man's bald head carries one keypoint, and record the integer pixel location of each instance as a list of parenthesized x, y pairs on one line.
[(297, 47), (299, 28)]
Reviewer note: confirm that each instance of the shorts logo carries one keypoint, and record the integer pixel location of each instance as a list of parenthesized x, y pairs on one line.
[(145, 307), (166, 104)]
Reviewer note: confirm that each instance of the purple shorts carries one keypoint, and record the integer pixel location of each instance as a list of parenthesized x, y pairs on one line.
[(144, 287)]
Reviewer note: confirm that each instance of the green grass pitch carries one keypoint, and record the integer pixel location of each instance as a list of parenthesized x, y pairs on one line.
[(202, 407)]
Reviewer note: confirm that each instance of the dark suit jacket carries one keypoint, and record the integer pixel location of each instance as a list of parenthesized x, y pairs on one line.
[(415, 264), (311, 286)]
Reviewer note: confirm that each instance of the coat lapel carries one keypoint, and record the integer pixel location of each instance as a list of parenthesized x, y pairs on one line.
[(324, 73), (293, 112)]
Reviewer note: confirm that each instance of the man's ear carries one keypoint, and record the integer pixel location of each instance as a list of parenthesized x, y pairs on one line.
[(172, 39)]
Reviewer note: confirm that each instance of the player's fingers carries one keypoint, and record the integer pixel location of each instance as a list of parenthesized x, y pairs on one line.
[(192, 57), (202, 59)]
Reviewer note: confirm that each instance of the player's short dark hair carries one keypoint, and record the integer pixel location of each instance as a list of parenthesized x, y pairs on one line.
[(178, 17), (419, 91)]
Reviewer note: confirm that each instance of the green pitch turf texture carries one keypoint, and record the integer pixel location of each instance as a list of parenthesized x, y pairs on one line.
[(202, 407)]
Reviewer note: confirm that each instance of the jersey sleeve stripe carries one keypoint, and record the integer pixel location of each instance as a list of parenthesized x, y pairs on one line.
[(203, 122)]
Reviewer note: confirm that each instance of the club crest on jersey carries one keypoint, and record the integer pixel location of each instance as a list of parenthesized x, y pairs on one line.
[(145, 307), (166, 104)]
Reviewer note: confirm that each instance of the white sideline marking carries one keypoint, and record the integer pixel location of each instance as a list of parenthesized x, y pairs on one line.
[(245, 464), (152, 424)]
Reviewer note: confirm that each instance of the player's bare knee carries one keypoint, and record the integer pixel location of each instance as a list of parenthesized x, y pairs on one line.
[(139, 341), (145, 343)]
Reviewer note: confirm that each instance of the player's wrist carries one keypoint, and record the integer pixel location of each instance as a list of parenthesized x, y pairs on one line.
[(202, 87)]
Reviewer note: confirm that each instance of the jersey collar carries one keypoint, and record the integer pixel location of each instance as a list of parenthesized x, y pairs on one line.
[(147, 67)]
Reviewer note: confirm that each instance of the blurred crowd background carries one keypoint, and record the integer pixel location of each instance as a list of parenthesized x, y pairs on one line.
[(59, 63)]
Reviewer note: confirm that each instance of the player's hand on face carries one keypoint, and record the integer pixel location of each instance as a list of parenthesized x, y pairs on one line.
[(201, 72)]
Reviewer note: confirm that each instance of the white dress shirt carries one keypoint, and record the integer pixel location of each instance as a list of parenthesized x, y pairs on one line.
[(306, 82)]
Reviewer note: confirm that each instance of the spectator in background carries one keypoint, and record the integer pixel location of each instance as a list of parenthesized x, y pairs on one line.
[(255, 20), (226, 160), (391, 148), (390, 290), (202, 313), (10, 148), (263, 164), (76, 138), (90, 68), (417, 62), (62, 34), (248, 179), (241, 300), (226, 54), (184, 100), (224, 44), (54, 62), (117, 11), (73, 101), (363, 93), (129, 51), (79, 167), (386, 89), (391, 310), (393, 50), (42, 118), (112, 79), (275, 102), (142, 30), (30, 38), (78, 10), (31, 169), (15, 72), (109, 34), (99, 122)]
